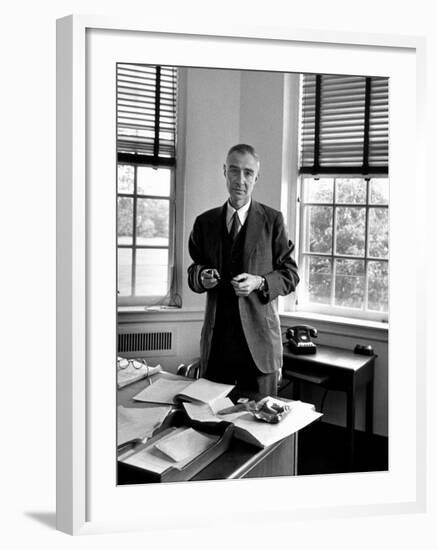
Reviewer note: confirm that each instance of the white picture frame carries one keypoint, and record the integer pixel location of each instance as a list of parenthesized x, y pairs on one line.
[(87, 501)]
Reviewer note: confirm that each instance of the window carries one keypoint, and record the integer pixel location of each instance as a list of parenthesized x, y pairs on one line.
[(344, 250), (344, 192), (146, 155)]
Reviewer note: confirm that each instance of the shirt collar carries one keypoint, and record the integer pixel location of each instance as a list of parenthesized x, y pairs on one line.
[(241, 212)]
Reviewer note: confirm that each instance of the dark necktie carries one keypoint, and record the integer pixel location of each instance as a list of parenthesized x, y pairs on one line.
[(235, 228)]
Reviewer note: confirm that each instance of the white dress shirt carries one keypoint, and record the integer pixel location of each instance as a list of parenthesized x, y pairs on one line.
[(241, 213)]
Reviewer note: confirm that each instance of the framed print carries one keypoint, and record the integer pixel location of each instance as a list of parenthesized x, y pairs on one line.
[(100, 209)]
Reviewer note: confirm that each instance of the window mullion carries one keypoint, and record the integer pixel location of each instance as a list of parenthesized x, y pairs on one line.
[(301, 233), (173, 286), (139, 196), (366, 249), (134, 236), (153, 197), (333, 241), (151, 247)]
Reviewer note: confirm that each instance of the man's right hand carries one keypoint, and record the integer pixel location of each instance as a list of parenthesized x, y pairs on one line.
[(209, 278)]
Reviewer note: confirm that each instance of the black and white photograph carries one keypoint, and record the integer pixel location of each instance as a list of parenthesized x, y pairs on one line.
[(252, 253), (218, 271)]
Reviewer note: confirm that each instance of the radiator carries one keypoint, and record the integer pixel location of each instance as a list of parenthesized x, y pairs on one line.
[(146, 343)]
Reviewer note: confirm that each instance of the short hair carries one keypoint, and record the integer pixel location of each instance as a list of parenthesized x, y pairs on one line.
[(243, 149)]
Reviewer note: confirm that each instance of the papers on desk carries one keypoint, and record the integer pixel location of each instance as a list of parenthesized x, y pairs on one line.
[(204, 391), (173, 450), (172, 391), (133, 372), (202, 412), (184, 445), (261, 434), (162, 391), (251, 430), (139, 424)]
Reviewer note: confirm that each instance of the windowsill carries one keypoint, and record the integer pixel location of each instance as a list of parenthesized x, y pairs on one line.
[(335, 320), (142, 309), (163, 314)]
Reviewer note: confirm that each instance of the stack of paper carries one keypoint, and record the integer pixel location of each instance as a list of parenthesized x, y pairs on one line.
[(204, 391), (174, 450), (202, 412), (139, 424), (172, 391), (184, 445)]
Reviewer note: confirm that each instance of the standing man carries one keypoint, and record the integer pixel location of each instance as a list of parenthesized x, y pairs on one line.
[(242, 259)]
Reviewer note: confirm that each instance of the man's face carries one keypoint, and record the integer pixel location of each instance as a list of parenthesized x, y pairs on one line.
[(241, 173)]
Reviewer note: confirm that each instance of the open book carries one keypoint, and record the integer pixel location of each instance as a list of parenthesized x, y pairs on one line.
[(171, 391)]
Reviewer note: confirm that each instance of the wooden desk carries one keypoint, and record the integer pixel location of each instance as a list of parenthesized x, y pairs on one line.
[(335, 369), (240, 460)]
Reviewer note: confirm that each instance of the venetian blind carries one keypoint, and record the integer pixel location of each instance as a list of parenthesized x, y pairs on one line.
[(146, 114), (344, 124)]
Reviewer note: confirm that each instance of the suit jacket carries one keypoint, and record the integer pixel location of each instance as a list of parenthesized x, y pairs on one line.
[(267, 252)]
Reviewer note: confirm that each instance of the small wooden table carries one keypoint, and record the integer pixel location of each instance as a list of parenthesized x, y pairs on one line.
[(335, 369)]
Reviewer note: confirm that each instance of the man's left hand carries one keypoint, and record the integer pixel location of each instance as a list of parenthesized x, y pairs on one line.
[(245, 283)]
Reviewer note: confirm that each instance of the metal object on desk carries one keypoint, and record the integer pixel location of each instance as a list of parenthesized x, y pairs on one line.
[(267, 409), (270, 410), (363, 350), (299, 339), (192, 370)]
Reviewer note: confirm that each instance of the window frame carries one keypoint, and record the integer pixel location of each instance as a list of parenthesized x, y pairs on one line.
[(331, 309), (315, 169), (144, 299), (172, 297)]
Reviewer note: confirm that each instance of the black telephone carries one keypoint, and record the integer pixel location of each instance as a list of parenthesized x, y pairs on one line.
[(299, 339)]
